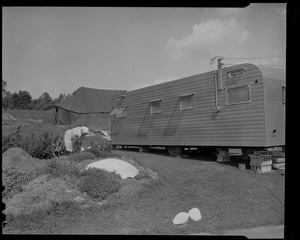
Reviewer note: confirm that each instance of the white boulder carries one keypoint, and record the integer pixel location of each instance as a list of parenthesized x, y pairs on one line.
[(181, 218), (124, 169), (195, 214)]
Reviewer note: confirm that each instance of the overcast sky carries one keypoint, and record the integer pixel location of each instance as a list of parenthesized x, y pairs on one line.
[(58, 49)]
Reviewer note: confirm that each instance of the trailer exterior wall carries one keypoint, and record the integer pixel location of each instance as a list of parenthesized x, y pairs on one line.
[(234, 125), (274, 80)]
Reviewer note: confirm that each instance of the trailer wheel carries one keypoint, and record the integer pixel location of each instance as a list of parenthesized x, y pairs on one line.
[(174, 150)]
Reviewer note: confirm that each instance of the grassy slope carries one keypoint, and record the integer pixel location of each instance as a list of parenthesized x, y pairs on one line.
[(227, 197)]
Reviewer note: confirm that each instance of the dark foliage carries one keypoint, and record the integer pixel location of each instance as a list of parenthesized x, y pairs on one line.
[(44, 146), (98, 183), (13, 180)]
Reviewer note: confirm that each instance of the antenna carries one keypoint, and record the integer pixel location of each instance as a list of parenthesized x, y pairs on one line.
[(214, 59), (220, 64)]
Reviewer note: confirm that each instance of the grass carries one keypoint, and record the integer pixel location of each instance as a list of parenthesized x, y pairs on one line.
[(27, 114), (227, 197)]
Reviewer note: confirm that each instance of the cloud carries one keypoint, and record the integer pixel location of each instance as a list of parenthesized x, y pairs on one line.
[(210, 37)]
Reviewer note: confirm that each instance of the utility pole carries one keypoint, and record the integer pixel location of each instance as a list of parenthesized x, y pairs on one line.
[(220, 64)]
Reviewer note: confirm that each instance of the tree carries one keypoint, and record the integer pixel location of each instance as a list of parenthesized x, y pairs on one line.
[(4, 93), (4, 85), (21, 100), (44, 102), (7, 102)]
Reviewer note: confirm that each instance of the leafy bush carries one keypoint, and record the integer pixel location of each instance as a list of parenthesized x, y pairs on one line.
[(98, 183), (44, 146), (101, 149), (38, 195), (77, 143), (79, 157), (12, 140), (56, 168), (13, 180)]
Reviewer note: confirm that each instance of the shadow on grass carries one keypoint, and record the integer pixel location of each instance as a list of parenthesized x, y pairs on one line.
[(188, 155), (206, 156)]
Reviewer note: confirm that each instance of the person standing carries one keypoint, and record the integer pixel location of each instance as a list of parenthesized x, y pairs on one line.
[(72, 134)]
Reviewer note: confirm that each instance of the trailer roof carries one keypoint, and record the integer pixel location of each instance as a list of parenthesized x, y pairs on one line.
[(272, 73)]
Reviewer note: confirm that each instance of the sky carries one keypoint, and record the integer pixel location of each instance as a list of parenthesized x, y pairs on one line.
[(59, 49)]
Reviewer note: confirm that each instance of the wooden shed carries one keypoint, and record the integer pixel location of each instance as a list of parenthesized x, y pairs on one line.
[(238, 106)]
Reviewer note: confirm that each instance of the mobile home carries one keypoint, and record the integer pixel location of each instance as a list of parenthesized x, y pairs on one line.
[(241, 106)]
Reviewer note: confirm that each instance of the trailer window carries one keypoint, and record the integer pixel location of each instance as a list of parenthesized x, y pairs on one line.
[(186, 102), (238, 94), (120, 112), (283, 94), (155, 106), (237, 72)]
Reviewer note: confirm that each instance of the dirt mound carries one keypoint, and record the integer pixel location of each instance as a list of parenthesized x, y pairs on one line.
[(7, 116), (19, 159)]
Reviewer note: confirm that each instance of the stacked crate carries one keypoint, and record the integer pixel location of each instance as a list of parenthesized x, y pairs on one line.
[(223, 156), (278, 159), (260, 162)]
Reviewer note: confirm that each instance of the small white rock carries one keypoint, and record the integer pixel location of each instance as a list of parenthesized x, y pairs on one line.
[(181, 218), (79, 199), (123, 168), (195, 214)]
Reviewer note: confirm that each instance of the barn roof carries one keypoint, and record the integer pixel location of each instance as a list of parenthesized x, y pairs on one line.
[(90, 100)]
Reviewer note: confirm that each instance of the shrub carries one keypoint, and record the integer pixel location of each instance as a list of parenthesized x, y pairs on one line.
[(79, 157), (12, 140), (38, 195), (13, 180), (44, 146), (56, 168), (98, 183), (101, 149), (77, 143)]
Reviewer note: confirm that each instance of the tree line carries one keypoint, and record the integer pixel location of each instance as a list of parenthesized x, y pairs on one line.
[(23, 100)]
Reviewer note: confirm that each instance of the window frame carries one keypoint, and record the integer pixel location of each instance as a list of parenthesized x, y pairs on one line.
[(186, 95), (238, 86), (283, 92), (159, 107), (116, 112), (121, 97), (237, 74)]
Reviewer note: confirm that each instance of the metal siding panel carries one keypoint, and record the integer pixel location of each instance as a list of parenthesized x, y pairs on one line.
[(275, 113), (234, 125)]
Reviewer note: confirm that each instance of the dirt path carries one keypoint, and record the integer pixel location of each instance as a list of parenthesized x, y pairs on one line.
[(271, 232), (227, 197)]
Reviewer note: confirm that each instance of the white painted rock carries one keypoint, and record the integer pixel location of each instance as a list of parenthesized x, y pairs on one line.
[(79, 199), (181, 218), (195, 214), (124, 169)]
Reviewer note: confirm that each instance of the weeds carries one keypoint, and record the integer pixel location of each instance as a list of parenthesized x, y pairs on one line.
[(98, 183), (13, 180), (56, 168), (80, 157), (44, 146), (37, 195)]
